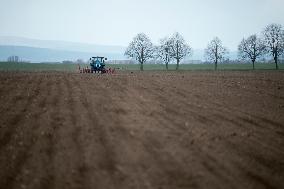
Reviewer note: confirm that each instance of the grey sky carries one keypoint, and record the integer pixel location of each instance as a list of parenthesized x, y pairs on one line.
[(116, 22)]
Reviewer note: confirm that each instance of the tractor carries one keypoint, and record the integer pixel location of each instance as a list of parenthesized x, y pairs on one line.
[(98, 64)]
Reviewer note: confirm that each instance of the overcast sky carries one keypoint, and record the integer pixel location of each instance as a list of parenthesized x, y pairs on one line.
[(116, 22)]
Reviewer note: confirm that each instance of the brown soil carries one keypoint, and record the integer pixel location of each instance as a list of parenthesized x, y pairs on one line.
[(142, 130)]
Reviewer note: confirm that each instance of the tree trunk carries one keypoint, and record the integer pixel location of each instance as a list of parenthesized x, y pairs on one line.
[(216, 57), (177, 64), (167, 65), (177, 55), (275, 57), (276, 62), (253, 64), (141, 66)]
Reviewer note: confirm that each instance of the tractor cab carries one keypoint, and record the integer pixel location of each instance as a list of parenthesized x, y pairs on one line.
[(98, 64)]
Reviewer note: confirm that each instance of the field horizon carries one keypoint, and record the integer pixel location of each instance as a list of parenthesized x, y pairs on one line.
[(72, 67)]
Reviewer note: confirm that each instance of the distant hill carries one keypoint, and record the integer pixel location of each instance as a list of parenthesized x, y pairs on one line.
[(198, 54), (33, 54), (35, 50), (59, 45)]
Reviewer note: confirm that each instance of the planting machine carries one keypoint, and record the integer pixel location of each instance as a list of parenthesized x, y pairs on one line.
[(97, 65)]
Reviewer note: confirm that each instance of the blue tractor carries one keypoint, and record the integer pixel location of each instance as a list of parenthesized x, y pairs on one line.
[(98, 64)]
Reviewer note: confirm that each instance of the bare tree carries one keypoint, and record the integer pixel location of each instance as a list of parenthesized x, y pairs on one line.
[(274, 41), (251, 48), (215, 51), (163, 51), (141, 48), (13, 59), (179, 49)]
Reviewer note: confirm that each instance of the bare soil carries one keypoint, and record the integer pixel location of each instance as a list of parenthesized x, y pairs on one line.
[(142, 130)]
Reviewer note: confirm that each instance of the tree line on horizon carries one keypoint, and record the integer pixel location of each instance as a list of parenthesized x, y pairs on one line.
[(175, 48)]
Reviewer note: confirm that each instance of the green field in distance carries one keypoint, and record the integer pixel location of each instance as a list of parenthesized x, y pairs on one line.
[(9, 66)]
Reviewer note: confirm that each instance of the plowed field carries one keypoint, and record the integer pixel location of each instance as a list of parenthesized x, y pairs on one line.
[(142, 130)]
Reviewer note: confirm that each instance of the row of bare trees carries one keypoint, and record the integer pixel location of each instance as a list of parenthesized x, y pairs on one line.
[(175, 48), (13, 59), (271, 42)]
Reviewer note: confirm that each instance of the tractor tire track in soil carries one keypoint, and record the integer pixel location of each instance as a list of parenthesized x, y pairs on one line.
[(142, 130)]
